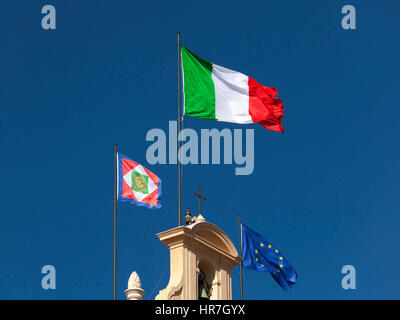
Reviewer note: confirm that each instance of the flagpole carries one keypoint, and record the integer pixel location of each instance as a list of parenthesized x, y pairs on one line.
[(179, 130), (115, 223), (240, 253)]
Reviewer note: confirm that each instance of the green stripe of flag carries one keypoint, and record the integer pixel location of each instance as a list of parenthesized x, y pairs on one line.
[(199, 90)]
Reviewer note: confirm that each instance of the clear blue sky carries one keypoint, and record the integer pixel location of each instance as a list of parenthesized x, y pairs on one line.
[(325, 192)]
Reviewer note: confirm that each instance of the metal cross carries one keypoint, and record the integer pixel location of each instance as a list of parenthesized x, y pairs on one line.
[(200, 197)]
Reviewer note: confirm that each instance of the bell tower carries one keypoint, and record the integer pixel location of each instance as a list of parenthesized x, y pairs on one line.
[(201, 261)]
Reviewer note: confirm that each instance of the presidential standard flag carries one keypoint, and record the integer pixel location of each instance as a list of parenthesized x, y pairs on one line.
[(136, 184), (260, 255), (217, 93)]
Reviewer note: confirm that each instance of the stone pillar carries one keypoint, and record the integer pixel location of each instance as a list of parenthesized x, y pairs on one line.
[(134, 291)]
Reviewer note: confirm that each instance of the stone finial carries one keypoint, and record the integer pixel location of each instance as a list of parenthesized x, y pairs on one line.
[(134, 281), (134, 291)]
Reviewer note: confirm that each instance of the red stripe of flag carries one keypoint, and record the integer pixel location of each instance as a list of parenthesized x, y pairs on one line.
[(264, 107)]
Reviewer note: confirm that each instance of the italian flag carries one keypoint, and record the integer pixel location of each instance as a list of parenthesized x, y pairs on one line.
[(217, 93)]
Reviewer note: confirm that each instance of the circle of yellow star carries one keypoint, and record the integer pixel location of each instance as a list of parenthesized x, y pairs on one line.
[(281, 265), (261, 244), (276, 250), (280, 258), (269, 246), (256, 251)]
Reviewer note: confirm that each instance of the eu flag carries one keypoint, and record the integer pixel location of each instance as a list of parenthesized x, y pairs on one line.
[(260, 255)]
